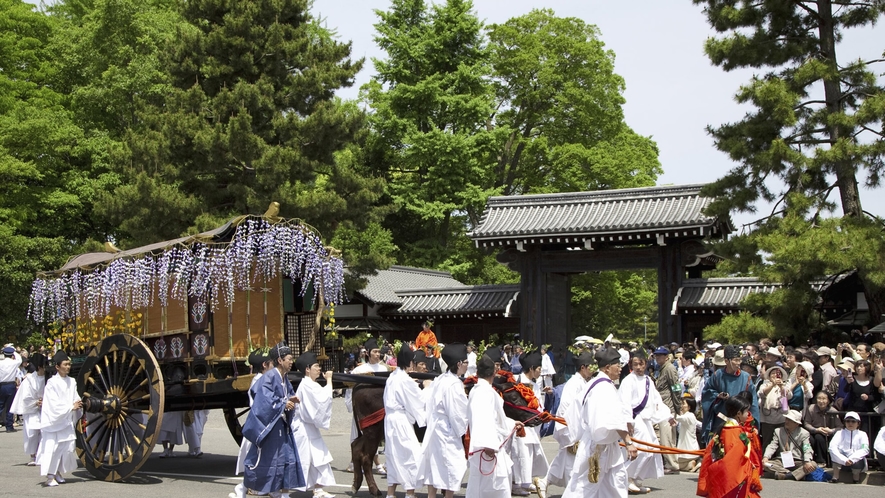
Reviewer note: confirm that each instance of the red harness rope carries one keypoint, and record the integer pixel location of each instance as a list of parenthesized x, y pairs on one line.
[(665, 450), (371, 419)]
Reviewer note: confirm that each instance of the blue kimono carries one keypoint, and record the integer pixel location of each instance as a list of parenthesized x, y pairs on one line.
[(732, 384), (272, 463)]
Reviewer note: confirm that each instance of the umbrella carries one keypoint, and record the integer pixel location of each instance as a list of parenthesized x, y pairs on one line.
[(594, 341), (583, 338)]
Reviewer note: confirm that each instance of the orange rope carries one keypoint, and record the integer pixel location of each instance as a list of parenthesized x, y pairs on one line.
[(665, 450)]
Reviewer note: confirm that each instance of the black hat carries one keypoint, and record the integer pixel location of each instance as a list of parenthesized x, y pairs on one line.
[(371, 344), (585, 358), (279, 351), (418, 357), (494, 353), (38, 360), (305, 361), (454, 352), (404, 358), (731, 352), (748, 361), (607, 356), (257, 358), (530, 360), (59, 357)]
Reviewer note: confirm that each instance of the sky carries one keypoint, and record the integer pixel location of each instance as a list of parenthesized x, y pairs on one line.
[(672, 90)]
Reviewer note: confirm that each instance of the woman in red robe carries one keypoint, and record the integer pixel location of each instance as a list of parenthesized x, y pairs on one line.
[(731, 464)]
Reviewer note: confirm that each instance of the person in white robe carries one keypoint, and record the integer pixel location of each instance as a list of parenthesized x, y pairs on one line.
[(561, 466), (61, 408), (547, 373), (849, 448), (471, 360), (403, 407), (442, 463), (171, 433), (374, 365), (260, 363), (313, 413), (28, 402), (490, 431), (639, 394), (193, 422), (529, 460), (603, 423)]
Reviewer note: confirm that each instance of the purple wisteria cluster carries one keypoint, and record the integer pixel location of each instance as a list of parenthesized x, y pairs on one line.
[(258, 252)]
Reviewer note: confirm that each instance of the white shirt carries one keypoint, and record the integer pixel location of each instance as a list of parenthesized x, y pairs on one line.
[(471, 364), (9, 368)]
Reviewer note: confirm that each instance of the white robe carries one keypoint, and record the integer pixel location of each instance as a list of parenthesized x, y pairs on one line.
[(57, 418), (25, 404), (443, 464), (193, 433), (601, 415), (314, 412), (172, 428), (348, 394), (561, 466), (246, 445), (489, 428), (632, 391), (403, 406), (528, 456), (849, 445)]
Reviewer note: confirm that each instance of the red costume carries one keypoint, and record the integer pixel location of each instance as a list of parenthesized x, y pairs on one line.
[(427, 342), (732, 463)]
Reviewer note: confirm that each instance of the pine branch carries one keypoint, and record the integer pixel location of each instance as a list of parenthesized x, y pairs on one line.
[(811, 11)]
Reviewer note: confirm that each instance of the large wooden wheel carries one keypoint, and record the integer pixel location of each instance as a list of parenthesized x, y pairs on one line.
[(236, 418), (123, 396)]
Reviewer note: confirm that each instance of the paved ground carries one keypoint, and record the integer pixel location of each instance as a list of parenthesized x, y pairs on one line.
[(212, 475)]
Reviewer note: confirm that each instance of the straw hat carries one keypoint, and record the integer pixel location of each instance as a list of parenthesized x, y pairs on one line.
[(719, 358)]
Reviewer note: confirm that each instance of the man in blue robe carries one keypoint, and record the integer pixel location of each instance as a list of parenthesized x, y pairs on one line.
[(726, 382), (272, 464)]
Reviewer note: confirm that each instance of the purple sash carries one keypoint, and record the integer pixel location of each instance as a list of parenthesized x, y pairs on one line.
[(641, 405), (594, 384)]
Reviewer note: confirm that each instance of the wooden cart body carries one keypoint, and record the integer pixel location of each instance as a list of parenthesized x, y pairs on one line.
[(140, 356)]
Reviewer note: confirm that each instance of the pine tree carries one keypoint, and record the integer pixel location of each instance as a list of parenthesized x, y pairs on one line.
[(816, 123)]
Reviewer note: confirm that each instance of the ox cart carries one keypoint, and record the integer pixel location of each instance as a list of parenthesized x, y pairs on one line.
[(169, 326)]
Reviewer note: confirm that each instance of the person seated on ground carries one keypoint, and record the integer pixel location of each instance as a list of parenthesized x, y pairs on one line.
[(789, 453), (849, 448), (821, 420), (688, 435)]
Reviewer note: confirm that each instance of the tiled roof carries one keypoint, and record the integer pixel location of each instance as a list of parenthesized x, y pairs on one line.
[(707, 295), (381, 288), (620, 216), (478, 300)]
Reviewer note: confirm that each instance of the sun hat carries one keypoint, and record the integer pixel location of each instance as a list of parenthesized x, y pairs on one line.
[(794, 415), (852, 415), (774, 351), (719, 358)]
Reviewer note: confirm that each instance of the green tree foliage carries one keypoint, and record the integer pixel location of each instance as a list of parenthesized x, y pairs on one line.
[(431, 101), (624, 303), (460, 113), (816, 124), (559, 122), (740, 328), (50, 170), (223, 107)]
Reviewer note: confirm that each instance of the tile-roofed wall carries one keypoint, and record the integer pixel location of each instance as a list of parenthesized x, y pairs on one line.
[(496, 300), (719, 293), (381, 288), (621, 211)]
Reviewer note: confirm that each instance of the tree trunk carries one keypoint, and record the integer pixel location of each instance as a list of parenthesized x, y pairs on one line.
[(843, 168)]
